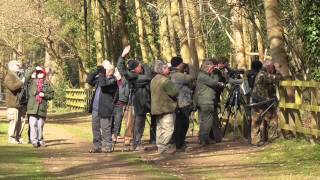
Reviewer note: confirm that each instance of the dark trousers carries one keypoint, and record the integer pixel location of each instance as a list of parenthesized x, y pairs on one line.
[(153, 129), (139, 124), (208, 117), (181, 126), (117, 119)]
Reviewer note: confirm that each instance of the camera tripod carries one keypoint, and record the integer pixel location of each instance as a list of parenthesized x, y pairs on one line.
[(232, 107)]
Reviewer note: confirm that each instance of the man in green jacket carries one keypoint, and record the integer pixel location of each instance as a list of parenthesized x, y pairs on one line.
[(205, 99), (163, 106), (13, 86)]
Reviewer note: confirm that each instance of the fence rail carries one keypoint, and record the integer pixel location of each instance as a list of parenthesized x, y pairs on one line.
[(302, 115), (78, 99)]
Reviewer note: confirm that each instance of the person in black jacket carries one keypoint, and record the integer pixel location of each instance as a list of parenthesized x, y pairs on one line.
[(139, 76), (102, 106)]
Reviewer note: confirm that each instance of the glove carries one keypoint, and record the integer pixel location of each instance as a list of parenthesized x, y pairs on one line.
[(23, 79), (41, 94), (101, 70)]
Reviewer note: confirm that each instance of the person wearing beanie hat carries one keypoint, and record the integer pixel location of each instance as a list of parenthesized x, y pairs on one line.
[(176, 61), (185, 83), (163, 105), (138, 76), (132, 64)]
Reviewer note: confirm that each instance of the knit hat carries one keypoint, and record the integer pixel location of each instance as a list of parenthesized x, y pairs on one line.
[(176, 61), (132, 64)]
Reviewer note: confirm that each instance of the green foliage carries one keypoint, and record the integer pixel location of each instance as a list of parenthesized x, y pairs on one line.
[(310, 34), (60, 94)]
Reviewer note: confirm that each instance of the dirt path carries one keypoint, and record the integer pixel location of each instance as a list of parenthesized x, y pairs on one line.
[(68, 141), (66, 156)]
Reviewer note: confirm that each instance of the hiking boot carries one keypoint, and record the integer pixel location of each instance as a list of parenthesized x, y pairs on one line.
[(13, 141), (42, 144), (35, 145), (95, 150), (107, 150), (139, 148)]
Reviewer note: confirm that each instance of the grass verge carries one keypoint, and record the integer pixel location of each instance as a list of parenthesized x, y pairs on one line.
[(293, 157), (18, 161)]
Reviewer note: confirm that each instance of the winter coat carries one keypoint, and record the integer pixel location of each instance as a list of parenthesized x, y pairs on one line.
[(205, 93), (123, 93), (33, 107), (185, 86), (163, 95), (108, 91), (13, 87), (139, 85)]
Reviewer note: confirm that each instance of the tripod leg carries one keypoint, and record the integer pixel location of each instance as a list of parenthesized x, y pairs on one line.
[(227, 123)]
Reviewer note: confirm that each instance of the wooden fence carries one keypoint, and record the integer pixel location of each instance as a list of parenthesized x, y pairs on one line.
[(78, 99), (302, 115)]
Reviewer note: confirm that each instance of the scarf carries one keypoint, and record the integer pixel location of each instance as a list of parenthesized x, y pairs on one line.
[(40, 81)]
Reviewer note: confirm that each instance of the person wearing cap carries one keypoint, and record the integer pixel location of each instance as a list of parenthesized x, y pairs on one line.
[(102, 106), (265, 86), (139, 76), (13, 86), (163, 106), (205, 98), (40, 92), (185, 83)]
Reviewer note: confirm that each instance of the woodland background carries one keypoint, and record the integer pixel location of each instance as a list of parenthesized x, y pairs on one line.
[(71, 37)]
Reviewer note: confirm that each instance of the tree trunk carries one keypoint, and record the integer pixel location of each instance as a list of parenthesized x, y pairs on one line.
[(165, 45), (275, 35), (95, 7), (247, 29), (140, 31), (173, 44), (181, 31), (197, 29), (123, 21), (239, 51), (259, 40), (54, 71), (150, 35)]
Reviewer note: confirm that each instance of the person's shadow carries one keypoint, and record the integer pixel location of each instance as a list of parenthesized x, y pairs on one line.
[(56, 142)]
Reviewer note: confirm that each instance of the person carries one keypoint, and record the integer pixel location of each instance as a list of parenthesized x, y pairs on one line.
[(163, 106), (102, 105), (138, 76), (40, 92), (264, 129), (205, 98), (15, 111), (185, 84), (121, 101), (251, 74)]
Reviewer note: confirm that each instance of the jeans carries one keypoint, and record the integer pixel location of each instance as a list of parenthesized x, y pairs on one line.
[(118, 115)]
